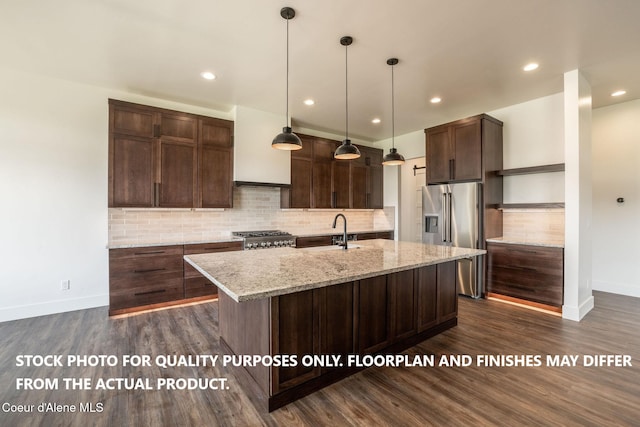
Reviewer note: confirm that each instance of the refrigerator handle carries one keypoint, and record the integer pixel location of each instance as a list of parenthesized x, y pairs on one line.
[(443, 226), (449, 213)]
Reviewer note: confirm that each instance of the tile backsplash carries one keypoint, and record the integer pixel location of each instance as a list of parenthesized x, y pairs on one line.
[(254, 208), (542, 225)]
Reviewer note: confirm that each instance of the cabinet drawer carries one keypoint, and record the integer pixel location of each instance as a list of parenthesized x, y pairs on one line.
[(533, 273), (203, 248), (145, 252), (306, 242), (367, 236), (138, 267), (536, 257), (538, 287), (170, 290), (198, 287)]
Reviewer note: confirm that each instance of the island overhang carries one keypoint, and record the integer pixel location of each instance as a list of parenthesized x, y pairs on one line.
[(250, 275)]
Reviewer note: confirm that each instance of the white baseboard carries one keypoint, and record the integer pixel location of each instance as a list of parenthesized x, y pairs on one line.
[(52, 307), (629, 289), (577, 313)]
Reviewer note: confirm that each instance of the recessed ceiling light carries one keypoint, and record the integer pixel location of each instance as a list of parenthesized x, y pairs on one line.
[(435, 99), (376, 121), (208, 75), (530, 67), (309, 102), (619, 93)]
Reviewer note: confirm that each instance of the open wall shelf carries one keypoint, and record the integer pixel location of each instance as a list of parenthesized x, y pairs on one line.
[(531, 206), (558, 167)]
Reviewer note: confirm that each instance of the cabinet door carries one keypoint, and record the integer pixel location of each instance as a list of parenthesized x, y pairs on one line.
[(374, 315), (301, 179), (403, 304), (322, 160), (467, 143), (131, 171), (427, 285), (132, 119), (215, 167), (179, 126), (439, 157), (322, 191), (295, 325), (337, 320), (359, 197), (447, 291), (341, 173), (177, 174), (375, 199)]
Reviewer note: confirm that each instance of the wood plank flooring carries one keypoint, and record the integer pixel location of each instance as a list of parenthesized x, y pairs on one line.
[(436, 396)]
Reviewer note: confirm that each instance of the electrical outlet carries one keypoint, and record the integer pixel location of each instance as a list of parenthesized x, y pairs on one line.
[(65, 285)]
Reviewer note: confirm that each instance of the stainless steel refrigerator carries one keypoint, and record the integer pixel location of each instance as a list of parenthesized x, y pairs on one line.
[(452, 216)]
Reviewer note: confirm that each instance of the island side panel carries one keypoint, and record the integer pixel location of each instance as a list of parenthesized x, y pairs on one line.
[(244, 329)]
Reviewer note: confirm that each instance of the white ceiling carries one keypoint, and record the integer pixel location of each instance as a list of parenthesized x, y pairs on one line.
[(469, 52)]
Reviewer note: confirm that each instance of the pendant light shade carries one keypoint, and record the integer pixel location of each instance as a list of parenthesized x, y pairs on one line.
[(393, 158), (346, 151), (287, 140)]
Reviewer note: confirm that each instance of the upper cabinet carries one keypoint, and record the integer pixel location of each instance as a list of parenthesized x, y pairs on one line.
[(319, 181), (164, 158), (464, 150)]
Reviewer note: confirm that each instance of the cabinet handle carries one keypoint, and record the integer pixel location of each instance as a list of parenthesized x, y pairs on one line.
[(451, 169), (159, 291), (148, 253), (149, 270), (528, 251), (156, 131), (367, 202), (156, 194), (334, 199), (517, 267)]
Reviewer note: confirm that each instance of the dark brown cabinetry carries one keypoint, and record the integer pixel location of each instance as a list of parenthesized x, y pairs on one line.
[(143, 276), (164, 158), (147, 276), (328, 239), (215, 163), (532, 273), (195, 284), (320, 181), (382, 314), (463, 150)]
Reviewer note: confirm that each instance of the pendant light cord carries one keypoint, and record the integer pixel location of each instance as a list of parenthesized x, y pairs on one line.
[(346, 91), (393, 114), (287, 116)]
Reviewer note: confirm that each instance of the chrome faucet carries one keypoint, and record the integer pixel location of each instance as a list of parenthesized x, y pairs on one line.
[(344, 238)]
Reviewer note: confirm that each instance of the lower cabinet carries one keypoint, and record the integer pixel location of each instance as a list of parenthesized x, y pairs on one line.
[(146, 276), (532, 273), (372, 315), (195, 284), (143, 276)]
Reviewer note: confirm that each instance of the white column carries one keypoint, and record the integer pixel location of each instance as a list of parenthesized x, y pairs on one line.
[(578, 298)]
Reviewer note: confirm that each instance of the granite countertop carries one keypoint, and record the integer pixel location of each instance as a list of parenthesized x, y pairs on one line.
[(249, 275), (138, 244), (550, 243)]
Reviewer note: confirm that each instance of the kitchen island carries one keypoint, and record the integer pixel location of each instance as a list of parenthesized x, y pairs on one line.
[(379, 296)]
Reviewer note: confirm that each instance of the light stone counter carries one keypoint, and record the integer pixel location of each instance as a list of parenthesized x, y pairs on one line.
[(169, 242), (250, 275), (550, 243)]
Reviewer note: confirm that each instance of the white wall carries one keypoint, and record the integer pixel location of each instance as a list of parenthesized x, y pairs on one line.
[(254, 159), (616, 173), (53, 184), (533, 135)]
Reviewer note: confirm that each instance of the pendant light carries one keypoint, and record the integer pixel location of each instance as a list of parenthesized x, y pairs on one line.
[(393, 158), (346, 151), (287, 140)]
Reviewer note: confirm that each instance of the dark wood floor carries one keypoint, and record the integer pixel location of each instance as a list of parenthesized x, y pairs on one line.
[(439, 396)]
